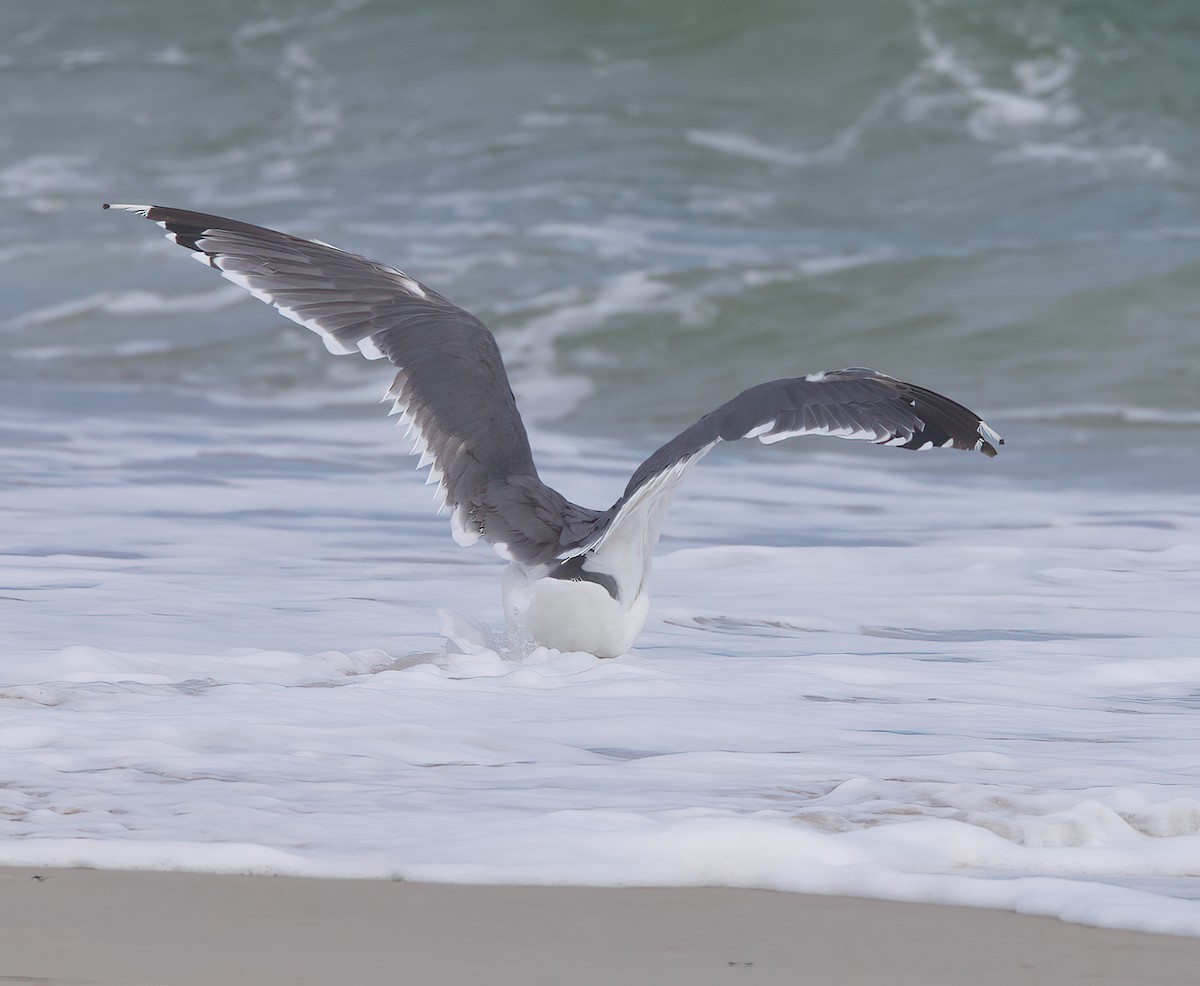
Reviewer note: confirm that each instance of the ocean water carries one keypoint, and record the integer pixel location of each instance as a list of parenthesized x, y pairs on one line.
[(234, 636)]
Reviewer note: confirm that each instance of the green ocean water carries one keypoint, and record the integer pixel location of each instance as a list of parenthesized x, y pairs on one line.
[(653, 204)]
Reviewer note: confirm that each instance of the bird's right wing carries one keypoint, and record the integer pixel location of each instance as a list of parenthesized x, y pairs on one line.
[(855, 403)]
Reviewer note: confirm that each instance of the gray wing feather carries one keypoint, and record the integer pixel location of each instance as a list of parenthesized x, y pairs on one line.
[(854, 403), (451, 386)]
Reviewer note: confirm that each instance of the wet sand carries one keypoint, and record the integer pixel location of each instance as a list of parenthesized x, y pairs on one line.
[(180, 929)]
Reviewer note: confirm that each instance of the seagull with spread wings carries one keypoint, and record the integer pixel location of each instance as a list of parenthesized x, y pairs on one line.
[(577, 576)]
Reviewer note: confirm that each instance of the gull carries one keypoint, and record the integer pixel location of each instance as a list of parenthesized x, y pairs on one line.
[(577, 577)]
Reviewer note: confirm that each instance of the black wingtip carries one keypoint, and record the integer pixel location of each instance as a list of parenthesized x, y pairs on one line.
[(105, 205)]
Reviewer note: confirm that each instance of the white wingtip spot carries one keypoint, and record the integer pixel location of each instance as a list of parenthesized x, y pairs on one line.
[(988, 434), (140, 210)]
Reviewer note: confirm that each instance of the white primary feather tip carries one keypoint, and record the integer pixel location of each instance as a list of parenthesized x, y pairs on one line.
[(139, 210)]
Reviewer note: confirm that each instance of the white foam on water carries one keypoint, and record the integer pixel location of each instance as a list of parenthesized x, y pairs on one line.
[(129, 302), (45, 182), (1124, 413), (542, 390), (1028, 108), (741, 145), (855, 679), (1145, 156)]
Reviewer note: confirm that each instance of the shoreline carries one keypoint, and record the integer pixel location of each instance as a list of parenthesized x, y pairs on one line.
[(125, 927)]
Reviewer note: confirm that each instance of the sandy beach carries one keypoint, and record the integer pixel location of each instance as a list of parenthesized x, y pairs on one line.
[(180, 929)]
